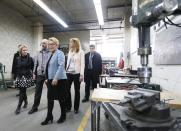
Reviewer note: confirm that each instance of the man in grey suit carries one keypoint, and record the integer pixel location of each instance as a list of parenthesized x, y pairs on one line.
[(39, 73)]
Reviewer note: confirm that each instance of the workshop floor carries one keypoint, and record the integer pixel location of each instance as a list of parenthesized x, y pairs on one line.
[(24, 122)]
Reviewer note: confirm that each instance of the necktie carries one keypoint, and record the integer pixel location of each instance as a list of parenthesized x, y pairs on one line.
[(90, 61)]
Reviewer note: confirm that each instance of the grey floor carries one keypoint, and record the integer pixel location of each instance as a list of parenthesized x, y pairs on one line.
[(24, 122)]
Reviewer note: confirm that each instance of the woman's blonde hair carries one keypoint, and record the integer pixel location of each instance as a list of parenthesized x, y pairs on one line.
[(76, 43), (21, 47), (54, 40)]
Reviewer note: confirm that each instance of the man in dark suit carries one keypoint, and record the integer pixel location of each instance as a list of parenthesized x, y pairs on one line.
[(93, 68)]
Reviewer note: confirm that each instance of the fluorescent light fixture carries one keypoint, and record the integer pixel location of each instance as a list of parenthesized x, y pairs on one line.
[(50, 12), (98, 7)]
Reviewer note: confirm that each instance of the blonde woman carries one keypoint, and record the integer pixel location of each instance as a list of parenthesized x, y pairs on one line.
[(56, 80), (24, 67), (75, 72)]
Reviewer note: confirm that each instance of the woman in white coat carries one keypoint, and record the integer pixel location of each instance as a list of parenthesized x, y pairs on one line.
[(75, 72)]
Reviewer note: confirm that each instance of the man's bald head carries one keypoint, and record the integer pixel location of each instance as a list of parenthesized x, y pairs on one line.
[(44, 41), (44, 44)]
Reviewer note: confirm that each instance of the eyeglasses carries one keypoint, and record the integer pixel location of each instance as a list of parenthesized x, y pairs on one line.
[(52, 44)]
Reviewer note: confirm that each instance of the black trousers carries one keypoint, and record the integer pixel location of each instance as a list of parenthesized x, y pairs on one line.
[(59, 93), (22, 96), (91, 78), (51, 105), (73, 78), (38, 91)]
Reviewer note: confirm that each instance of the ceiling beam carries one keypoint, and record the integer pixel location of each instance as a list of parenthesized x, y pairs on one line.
[(120, 6), (77, 22), (86, 22), (26, 4), (68, 30)]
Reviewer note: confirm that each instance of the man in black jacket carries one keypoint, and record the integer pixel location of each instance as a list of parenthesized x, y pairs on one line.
[(93, 68)]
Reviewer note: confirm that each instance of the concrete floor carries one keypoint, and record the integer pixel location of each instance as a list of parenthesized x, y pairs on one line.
[(24, 122)]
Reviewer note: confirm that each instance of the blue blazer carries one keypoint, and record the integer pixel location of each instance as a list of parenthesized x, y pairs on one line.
[(56, 67)]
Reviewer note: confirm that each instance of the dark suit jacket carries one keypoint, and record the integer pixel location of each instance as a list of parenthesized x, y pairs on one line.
[(96, 63)]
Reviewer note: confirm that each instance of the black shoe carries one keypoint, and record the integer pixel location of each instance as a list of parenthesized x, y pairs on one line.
[(46, 121), (17, 111), (33, 111), (61, 119), (85, 100), (26, 104), (76, 111)]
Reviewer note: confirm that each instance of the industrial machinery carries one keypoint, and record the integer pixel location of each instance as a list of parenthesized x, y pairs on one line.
[(142, 109), (2, 80), (144, 16)]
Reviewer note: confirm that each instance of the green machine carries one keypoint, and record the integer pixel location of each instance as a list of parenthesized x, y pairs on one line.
[(2, 80)]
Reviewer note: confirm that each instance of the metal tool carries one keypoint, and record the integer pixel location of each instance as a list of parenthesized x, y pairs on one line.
[(142, 110)]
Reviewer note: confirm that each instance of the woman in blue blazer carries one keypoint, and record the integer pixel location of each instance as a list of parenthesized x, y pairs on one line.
[(56, 81)]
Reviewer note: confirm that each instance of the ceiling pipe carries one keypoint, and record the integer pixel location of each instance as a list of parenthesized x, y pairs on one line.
[(69, 30), (86, 22)]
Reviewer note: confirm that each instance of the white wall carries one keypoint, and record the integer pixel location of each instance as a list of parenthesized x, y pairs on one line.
[(14, 30), (37, 36), (64, 37), (168, 76)]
